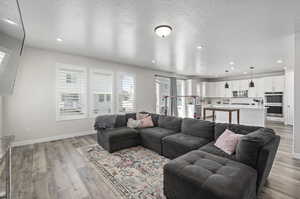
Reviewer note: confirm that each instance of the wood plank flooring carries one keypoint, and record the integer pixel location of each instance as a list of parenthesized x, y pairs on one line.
[(55, 170)]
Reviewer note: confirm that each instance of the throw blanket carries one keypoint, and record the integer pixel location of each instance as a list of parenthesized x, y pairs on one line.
[(105, 122)]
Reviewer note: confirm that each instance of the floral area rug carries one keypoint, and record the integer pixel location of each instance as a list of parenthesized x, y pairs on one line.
[(135, 173)]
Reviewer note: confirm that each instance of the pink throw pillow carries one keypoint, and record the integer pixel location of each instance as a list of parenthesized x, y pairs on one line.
[(228, 141), (146, 122), (140, 116)]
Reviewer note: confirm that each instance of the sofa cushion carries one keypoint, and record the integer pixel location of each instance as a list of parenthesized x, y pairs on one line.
[(211, 148), (198, 128), (120, 121), (169, 122), (249, 146), (198, 174), (151, 138), (180, 143), (240, 129), (118, 138), (121, 133)]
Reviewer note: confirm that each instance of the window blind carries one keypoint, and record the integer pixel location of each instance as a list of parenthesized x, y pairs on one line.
[(101, 92), (71, 92), (126, 93), (2, 55)]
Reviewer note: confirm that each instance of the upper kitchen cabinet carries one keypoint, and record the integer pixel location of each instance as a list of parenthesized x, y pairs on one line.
[(235, 85), (274, 84), (244, 85), (258, 89), (210, 89)]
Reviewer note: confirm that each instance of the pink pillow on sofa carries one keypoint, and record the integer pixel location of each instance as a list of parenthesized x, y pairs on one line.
[(146, 122), (228, 141)]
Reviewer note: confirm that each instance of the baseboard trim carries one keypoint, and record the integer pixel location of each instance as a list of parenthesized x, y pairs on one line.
[(51, 138), (296, 155)]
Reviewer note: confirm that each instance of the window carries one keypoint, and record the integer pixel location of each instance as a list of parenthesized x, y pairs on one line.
[(126, 93), (2, 55), (181, 100), (163, 88), (101, 92), (71, 92)]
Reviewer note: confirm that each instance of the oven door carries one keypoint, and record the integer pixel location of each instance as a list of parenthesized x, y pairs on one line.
[(274, 98), (275, 111)]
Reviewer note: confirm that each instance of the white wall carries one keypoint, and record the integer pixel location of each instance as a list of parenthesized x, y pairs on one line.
[(1, 117), (30, 111), (297, 96)]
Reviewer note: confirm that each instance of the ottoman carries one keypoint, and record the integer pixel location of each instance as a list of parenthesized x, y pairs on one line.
[(200, 175), (118, 138)]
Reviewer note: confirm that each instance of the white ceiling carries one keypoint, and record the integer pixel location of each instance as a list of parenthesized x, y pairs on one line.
[(247, 32)]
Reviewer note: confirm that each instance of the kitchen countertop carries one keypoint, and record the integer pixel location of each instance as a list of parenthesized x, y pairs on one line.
[(229, 106)]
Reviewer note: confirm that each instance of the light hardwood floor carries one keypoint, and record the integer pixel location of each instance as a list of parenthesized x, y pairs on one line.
[(55, 170)]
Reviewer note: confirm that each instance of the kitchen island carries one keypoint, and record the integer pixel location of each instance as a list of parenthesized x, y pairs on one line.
[(248, 115)]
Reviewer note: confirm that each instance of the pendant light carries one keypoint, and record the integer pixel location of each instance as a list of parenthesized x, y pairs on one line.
[(226, 84), (251, 84)]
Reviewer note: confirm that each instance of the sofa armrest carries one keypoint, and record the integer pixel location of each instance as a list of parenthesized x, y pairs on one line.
[(103, 122), (249, 146), (265, 161)]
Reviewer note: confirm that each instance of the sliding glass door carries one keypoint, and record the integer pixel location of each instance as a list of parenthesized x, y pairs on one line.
[(163, 88), (181, 100)]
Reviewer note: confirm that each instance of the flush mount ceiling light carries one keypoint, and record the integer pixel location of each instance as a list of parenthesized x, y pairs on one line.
[(59, 39), (163, 30), (199, 47), (11, 22), (231, 63), (279, 61)]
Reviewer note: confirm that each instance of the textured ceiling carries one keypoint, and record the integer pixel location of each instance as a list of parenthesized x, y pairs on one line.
[(247, 32)]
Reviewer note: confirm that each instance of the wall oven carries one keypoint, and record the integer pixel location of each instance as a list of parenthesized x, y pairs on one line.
[(274, 103)]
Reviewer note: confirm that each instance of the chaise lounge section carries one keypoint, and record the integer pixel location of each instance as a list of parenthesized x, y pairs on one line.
[(197, 167)]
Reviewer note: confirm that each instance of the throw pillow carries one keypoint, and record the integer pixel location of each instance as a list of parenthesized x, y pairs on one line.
[(146, 122), (228, 141), (140, 116), (131, 123)]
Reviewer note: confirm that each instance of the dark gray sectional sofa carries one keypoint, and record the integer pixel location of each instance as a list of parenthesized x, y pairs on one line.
[(198, 168)]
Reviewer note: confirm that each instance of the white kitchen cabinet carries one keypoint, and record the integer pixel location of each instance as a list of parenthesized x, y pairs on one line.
[(235, 85), (278, 83), (274, 84), (259, 87), (220, 92), (244, 84), (211, 89)]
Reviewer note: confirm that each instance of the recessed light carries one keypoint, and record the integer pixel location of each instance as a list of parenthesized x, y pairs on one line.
[(232, 68), (199, 47), (245, 73), (59, 39), (10, 21), (279, 61), (163, 30), (231, 63), (153, 61)]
